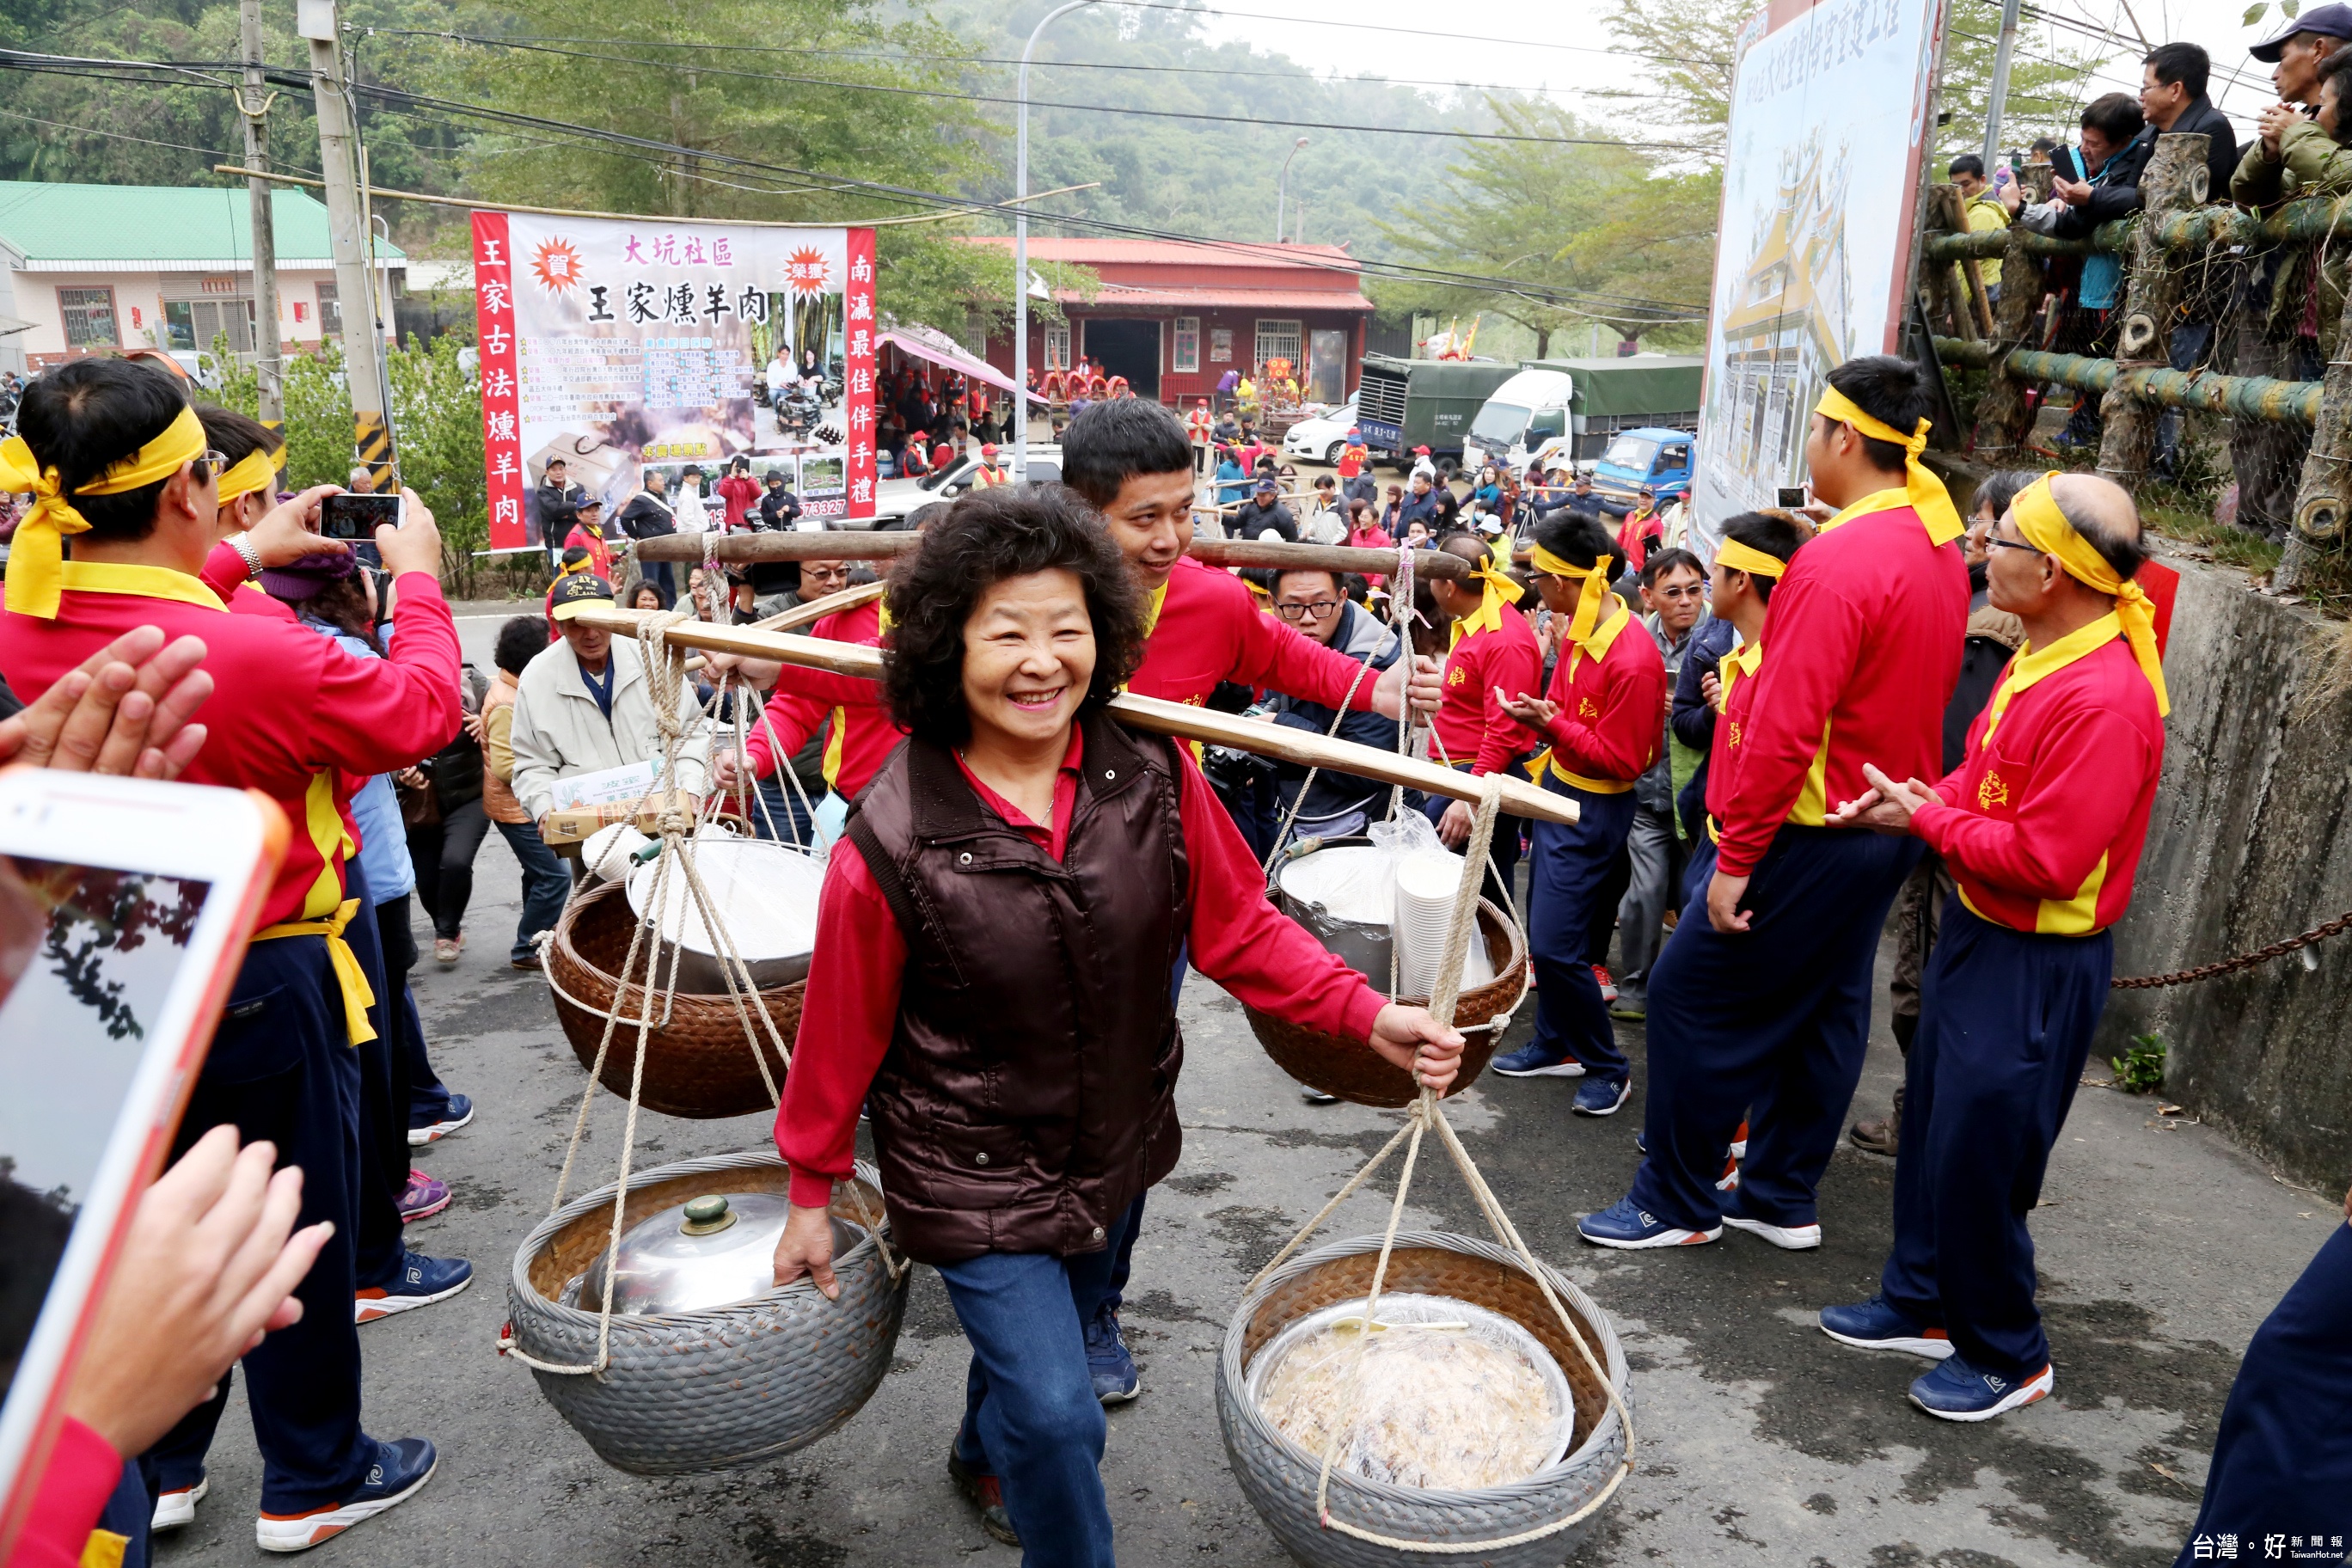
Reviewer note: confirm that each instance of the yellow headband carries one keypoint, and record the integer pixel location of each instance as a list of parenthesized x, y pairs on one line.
[(1596, 584), (1499, 592), (1927, 492), (256, 470), (2046, 529), (37, 553), (1734, 556)]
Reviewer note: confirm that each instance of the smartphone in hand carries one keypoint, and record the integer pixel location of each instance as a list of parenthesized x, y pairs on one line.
[(125, 906), (356, 517)]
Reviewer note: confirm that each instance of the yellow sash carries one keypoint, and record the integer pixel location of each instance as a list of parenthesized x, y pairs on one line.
[(358, 995)]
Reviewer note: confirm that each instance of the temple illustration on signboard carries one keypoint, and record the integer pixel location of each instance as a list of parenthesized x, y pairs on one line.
[(1783, 325)]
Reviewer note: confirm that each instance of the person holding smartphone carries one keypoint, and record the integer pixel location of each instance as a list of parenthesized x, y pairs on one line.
[(119, 463)]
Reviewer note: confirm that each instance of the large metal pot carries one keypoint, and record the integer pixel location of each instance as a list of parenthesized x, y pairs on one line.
[(1302, 887), (764, 894), (712, 1389)]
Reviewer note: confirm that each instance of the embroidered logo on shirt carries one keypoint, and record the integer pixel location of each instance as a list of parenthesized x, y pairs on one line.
[(1456, 676), (1994, 791), (1733, 739), (1587, 709)]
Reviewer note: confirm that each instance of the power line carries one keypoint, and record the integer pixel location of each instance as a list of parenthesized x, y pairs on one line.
[(1043, 103), (214, 152), (1626, 308)]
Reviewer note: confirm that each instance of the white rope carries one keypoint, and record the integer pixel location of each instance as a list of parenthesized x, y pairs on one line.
[(1428, 1112)]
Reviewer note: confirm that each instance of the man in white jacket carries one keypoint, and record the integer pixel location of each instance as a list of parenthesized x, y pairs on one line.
[(584, 704)]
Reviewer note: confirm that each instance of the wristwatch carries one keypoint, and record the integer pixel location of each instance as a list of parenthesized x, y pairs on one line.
[(248, 554)]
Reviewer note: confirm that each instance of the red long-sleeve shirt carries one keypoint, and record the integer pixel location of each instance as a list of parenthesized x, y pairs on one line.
[(1469, 725), (1865, 633), (1210, 630), (2044, 821), (864, 734), (83, 1472), (1734, 698), (1607, 732), (289, 707), (851, 1004)]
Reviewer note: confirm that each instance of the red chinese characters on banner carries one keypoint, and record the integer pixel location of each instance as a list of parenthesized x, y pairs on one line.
[(857, 370), (501, 390)]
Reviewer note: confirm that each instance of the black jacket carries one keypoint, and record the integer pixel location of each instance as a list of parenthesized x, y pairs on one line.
[(2118, 194), (1253, 519), (646, 517), (1336, 794)]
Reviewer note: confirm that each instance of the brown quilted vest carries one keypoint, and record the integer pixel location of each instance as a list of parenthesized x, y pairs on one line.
[(1028, 1096)]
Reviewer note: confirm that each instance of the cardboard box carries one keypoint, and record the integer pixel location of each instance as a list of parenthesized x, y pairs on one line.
[(570, 829)]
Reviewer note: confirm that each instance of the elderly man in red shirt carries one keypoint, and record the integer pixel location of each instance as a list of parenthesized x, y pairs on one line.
[(1762, 995), (2042, 824), (119, 464)]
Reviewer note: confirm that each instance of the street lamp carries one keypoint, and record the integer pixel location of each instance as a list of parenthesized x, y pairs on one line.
[(1021, 247), (1282, 187)]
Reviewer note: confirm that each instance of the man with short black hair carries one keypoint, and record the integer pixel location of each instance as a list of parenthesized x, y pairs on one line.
[(552, 501), (1491, 655), (1981, 206), (1762, 995)]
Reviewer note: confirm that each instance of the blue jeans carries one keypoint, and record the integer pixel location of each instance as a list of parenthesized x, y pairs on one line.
[(1031, 1417), (2005, 1020), (545, 885), (784, 818)]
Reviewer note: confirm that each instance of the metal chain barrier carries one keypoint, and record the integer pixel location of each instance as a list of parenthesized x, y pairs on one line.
[(2261, 955)]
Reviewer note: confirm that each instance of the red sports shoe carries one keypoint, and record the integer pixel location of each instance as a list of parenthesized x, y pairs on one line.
[(1607, 986)]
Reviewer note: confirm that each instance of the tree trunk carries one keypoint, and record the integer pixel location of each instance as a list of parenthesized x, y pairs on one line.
[(2324, 496), (2003, 417), (2150, 305)]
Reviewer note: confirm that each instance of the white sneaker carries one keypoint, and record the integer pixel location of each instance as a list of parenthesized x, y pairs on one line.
[(176, 1508), (1786, 1237)]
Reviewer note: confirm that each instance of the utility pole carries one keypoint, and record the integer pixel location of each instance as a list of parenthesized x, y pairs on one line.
[(1021, 246), (1999, 100), (355, 291), (253, 109)]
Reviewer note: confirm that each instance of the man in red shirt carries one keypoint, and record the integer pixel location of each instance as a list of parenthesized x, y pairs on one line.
[(1600, 720), (1130, 461), (120, 464), (863, 734), (1763, 993), (2042, 828), (1491, 649)]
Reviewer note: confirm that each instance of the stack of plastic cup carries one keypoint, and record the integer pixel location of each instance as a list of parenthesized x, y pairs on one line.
[(1426, 885)]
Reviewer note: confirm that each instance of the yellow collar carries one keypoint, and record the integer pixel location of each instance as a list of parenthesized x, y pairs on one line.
[(135, 582), (1599, 640), (1876, 501), (1741, 660), (1152, 607), (2032, 664)]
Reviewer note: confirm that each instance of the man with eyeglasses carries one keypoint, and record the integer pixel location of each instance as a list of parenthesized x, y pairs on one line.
[(1337, 804), (1673, 594)]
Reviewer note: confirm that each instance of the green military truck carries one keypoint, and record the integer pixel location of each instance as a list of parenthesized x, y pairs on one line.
[(1402, 404)]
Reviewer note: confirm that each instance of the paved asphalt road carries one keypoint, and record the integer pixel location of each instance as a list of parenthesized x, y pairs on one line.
[(1761, 1441)]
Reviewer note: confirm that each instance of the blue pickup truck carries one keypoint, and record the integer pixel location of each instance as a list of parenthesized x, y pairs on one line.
[(1659, 458)]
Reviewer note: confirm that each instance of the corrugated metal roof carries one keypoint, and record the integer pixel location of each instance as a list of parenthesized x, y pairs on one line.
[(1215, 298), (1089, 252), (169, 227)]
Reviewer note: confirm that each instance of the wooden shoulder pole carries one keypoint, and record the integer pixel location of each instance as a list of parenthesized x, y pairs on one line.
[(1520, 798), (852, 544)]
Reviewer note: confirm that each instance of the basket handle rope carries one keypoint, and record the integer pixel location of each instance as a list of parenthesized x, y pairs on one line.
[(1427, 1112)]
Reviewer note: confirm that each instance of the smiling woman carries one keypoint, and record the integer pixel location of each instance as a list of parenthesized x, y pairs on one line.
[(992, 980)]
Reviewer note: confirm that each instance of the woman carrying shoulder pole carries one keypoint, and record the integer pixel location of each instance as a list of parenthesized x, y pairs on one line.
[(992, 972)]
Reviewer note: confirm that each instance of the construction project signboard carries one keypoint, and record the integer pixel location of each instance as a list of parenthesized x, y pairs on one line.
[(1829, 110)]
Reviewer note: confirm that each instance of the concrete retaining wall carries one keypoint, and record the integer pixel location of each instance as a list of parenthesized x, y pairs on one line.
[(2249, 845)]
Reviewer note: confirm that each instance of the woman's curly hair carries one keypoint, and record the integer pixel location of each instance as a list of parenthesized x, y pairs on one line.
[(986, 537)]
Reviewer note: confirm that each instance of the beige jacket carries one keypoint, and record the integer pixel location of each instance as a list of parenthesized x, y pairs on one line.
[(559, 730)]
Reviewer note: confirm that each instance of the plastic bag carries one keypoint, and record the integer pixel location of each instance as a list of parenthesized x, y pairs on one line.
[(1445, 1394)]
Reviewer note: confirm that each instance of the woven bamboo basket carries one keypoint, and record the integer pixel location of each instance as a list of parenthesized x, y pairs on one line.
[(691, 1392), (1345, 1067), (698, 1060), (1279, 1476)]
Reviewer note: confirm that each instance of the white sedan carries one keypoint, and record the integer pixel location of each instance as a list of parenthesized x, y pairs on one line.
[(1318, 437), (895, 500)]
